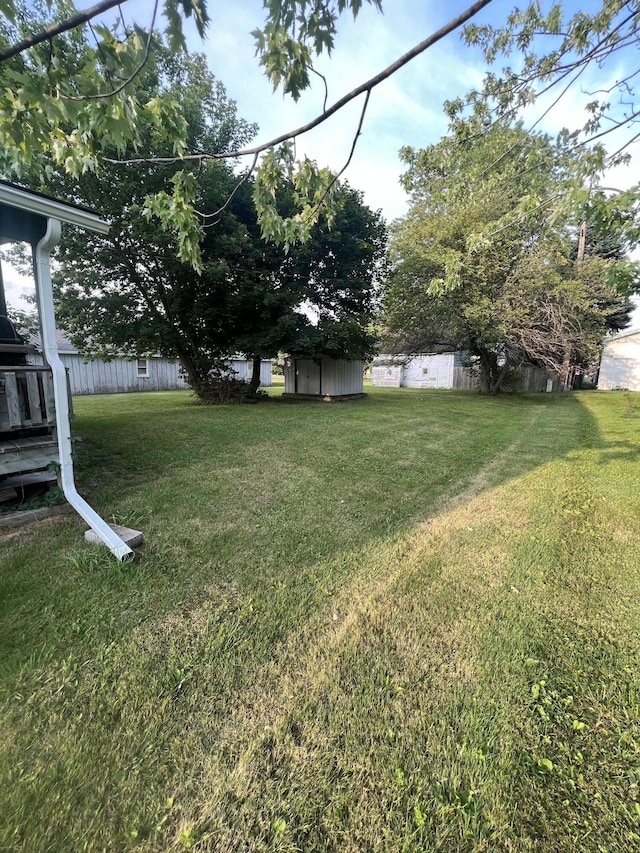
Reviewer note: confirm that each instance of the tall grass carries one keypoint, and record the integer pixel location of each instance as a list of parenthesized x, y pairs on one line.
[(406, 623)]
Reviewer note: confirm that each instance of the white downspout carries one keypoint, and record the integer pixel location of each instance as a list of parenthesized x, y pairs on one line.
[(44, 290)]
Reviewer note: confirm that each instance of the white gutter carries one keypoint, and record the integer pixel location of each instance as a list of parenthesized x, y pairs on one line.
[(44, 292), (51, 209)]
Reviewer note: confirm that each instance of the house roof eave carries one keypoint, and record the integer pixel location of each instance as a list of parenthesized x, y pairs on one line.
[(50, 208)]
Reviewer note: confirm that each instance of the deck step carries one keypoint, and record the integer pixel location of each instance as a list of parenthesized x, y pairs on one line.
[(34, 478)]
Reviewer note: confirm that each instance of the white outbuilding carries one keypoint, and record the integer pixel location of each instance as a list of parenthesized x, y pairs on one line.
[(620, 363), (323, 379), (447, 370)]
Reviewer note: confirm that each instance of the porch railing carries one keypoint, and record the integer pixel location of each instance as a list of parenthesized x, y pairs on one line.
[(26, 398)]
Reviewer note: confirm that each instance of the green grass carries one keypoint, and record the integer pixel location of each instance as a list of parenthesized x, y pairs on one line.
[(406, 623)]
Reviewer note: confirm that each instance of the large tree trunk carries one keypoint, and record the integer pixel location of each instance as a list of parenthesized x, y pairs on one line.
[(255, 374), (486, 377), (194, 368), (194, 379), (566, 369), (499, 379)]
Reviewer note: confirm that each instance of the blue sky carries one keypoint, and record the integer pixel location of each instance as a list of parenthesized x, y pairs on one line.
[(404, 110)]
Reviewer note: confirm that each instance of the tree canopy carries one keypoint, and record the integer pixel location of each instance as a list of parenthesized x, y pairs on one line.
[(127, 292), (484, 260), (68, 99)]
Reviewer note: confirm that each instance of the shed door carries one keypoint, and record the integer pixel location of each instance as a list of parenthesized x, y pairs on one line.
[(307, 377)]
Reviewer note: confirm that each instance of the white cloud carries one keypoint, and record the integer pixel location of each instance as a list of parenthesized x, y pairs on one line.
[(16, 288)]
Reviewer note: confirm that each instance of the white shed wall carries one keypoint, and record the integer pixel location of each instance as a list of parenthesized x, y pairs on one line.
[(330, 378), (620, 364), (341, 377)]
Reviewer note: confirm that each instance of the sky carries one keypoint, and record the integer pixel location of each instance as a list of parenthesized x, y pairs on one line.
[(404, 110)]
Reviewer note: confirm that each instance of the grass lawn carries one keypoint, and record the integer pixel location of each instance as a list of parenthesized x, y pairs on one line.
[(406, 623)]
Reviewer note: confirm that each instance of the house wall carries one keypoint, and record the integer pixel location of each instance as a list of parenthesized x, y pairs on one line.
[(620, 364)]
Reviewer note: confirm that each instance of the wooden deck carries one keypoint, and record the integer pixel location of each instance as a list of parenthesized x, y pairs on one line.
[(27, 454), (27, 419), (26, 398)]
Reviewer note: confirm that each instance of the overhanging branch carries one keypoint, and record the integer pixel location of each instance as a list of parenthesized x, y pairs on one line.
[(370, 84), (62, 27)]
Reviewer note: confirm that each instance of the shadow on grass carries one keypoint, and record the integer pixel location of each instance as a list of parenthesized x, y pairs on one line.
[(257, 519), (262, 497)]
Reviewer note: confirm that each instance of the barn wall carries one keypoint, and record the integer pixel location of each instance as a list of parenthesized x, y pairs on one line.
[(620, 365), (444, 370), (120, 375), (429, 371), (386, 375), (243, 369)]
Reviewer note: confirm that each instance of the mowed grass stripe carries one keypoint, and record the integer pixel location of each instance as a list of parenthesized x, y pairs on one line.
[(366, 689)]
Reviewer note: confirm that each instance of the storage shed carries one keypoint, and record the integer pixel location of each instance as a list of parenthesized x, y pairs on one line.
[(424, 370), (620, 363), (325, 379)]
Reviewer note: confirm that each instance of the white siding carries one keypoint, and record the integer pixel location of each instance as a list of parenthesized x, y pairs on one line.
[(443, 370), (289, 371), (243, 369), (386, 375), (433, 370), (330, 378), (620, 365), (429, 371), (339, 376), (120, 375)]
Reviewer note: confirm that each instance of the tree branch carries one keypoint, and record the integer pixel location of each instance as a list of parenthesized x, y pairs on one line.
[(337, 176), (130, 78), (62, 27), (370, 84)]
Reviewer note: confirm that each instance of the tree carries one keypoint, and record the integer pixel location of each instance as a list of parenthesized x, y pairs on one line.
[(101, 117), (126, 292), (81, 113), (482, 262), (551, 50)]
